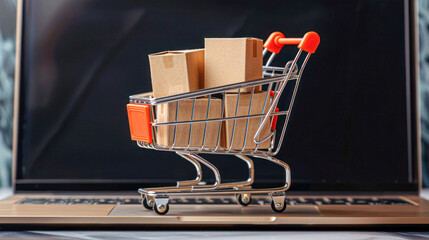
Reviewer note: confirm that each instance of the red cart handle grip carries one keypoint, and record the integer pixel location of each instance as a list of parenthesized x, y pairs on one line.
[(277, 40)]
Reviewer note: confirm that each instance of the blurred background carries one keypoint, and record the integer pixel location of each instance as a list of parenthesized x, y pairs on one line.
[(424, 85), (7, 60), (7, 65)]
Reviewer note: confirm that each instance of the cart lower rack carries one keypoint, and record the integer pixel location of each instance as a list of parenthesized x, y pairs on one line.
[(212, 114)]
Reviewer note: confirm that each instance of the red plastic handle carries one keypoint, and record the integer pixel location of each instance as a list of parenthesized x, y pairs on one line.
[(277, 40), (274, 122)]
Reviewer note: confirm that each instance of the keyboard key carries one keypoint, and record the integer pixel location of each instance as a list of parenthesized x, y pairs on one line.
[(389, 201), (34, 201), (190, 201), (228, 201), (363, 201), (216, 201), (338, 201), (177, 201), (312, 201), (82, 201), (132, 201), (57, 201), (202, 201)]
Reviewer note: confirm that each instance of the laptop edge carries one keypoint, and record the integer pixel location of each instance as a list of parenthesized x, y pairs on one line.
[(216, 215)]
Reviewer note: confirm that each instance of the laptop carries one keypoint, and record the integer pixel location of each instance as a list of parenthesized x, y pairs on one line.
[(353, 142)]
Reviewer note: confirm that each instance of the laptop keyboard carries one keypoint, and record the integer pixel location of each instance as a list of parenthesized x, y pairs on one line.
[(255, 201)]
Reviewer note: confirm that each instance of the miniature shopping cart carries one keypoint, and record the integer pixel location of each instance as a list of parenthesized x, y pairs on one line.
[(147, 122)]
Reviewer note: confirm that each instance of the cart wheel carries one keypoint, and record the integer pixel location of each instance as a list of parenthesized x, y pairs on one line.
[(161, 209), (148, 204), (244, 199), (279, 207)]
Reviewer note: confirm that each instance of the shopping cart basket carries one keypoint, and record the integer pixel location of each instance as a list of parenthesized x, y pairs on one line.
[(147, 121)]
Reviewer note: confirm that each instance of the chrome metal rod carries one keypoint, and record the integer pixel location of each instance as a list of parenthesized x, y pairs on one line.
[(220, 122), (283, 188), (175, 127), (245, 183), (235, 121), (206, 91), (270, 60), (264, 139), (247, 122), (221, 191), (271, 68), (211, 167), (267, 95), (205, 125), (190, 126), (276, 98), (251, 168), (197, 169), (291, 104), (220, 150), (239, 184), (284, 165), (200, 190), (219, 119)]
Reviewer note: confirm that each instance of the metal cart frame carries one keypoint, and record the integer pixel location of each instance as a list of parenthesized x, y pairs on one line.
[(144, 125)]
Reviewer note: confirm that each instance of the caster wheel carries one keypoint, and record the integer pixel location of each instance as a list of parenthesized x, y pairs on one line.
[(244, 199), (278, 209), (161, 209), (148, 204)]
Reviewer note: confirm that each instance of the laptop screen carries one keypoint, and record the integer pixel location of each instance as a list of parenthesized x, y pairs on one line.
[(350, 128)]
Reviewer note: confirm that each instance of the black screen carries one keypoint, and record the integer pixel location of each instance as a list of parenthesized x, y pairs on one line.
[(82, 59)]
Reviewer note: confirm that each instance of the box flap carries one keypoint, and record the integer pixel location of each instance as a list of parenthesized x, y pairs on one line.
[(176, 52), (242, 38)]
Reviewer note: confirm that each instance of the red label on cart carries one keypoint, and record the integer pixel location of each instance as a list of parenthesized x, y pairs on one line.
[(140, 124)]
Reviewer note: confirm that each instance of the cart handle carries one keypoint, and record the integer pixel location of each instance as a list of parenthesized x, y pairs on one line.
[(277, 40)]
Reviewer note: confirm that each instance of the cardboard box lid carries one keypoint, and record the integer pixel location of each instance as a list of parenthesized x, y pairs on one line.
[(174, 72), (176, 52), (229, 39), (232, 60)]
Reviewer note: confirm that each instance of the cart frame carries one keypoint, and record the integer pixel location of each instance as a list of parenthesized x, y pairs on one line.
[(144, 124)]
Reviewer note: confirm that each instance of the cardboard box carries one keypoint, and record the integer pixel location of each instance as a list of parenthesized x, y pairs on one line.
[(167, 113), (175, 72), (240, 126), (232, 60)]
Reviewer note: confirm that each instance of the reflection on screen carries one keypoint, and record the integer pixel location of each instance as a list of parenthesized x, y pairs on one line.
[(82, 59)]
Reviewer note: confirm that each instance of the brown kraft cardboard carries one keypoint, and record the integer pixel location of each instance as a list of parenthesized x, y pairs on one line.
[(232, 60), (240, 125), (174, 72), (167, 113)]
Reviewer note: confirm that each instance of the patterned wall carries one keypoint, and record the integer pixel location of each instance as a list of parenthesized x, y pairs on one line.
[(424, 85), (7, 63)]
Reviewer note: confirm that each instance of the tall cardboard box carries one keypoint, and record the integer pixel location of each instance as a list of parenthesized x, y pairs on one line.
[(240, 125), (232, 60), (175, 72), (167, 113)]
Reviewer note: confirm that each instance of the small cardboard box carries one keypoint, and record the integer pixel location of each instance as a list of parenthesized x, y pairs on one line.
[(232, 60), (240, 125), (167, 113), (175, 72)]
